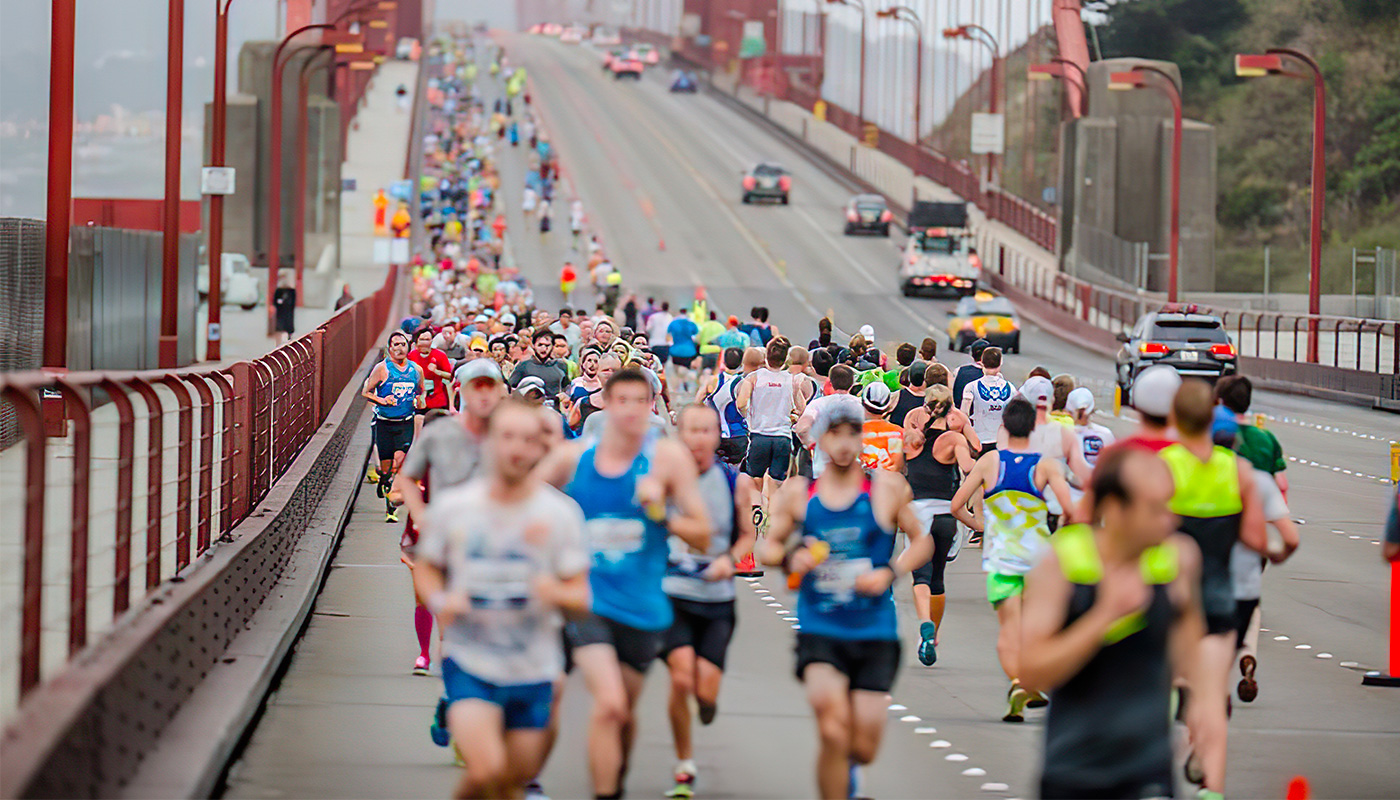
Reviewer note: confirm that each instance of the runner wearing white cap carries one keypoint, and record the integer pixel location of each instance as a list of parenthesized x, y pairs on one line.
[(1093, 437)]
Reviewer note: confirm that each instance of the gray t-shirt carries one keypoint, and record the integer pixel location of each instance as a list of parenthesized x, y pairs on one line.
[(447, 448), (1247, 566), (683, 570), (552, 372), (494, 553)]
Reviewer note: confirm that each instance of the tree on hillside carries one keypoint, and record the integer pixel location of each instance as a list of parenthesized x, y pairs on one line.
[(1192, 33)]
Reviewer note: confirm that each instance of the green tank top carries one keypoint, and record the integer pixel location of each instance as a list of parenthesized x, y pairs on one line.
[(1208, 501)]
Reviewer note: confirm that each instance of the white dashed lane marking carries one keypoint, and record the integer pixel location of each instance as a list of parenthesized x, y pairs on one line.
[(1309, 463)]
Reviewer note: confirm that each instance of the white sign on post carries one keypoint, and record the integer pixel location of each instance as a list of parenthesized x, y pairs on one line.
[(398, 251), (988, 134), (381, 250), (216, 180)]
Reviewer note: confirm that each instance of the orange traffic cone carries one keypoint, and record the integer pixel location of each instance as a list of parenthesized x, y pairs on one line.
[(747, 567), (1298, 788)]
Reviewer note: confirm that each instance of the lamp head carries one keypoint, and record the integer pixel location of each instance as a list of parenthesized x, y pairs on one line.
[(1254, 66), (1124, 81)]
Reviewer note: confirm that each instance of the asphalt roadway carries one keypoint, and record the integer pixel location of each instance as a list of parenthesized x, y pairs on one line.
[(651, 167)]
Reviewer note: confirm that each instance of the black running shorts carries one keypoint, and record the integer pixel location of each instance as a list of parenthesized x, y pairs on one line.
[(870, 665), (392, 436), (704, 627), (635, 647)]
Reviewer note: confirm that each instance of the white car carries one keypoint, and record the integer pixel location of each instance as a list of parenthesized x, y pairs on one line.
[(603, 37), (237, 283), (572, 35)]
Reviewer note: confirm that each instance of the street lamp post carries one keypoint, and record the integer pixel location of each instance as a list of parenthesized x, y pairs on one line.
[(907, 14), (1271, 63), (1057, 69), (219, 121), (167, 352), (984, 36), (59, 214), (860, 115), (1138, 79), (303, 114)]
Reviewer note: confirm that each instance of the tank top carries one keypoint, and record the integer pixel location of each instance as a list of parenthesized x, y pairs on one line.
[(401, 383), (685, 567), (907, 401), (629, 550), (1110, 723), (1208, 502), (771, 403), (827, 602), (1016, 529), (731, 422), (990, 394), (929, 478)]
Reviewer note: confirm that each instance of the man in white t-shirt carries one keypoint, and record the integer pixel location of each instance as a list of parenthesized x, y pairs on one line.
[(656, 328), (771, 400), (842, 378), (501, 556), (1093, 437), (985, 398)]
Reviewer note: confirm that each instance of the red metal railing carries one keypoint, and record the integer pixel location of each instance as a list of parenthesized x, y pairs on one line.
[(211, 444)]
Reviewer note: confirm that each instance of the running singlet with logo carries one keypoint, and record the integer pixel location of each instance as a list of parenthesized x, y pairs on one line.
[(1017, 531), (629, 550), (990, 394), (400, 383), (770, 404), (731, 423), (879, 441), (828, 603), (686, 567)]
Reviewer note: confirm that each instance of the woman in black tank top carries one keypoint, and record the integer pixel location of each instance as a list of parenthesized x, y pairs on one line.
[(934, 482)]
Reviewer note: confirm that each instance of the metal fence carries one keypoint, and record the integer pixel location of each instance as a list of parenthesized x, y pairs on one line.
[(126, 478), (21, 306)]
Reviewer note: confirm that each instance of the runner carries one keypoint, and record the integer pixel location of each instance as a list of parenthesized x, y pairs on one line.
[(1152, 397), (840, 379), (1014, 484), (451, 453), (502, 555), (542, 365), (968, 373), (1110, 612), (395, 389), (1054, 441), (1218, 503), (701, 588), (624, 482), (770, 399), (986, 397), (937, 456), (681, 347), (437, 372), (911, 392), (718, 393), (848, 644), (882, 441)]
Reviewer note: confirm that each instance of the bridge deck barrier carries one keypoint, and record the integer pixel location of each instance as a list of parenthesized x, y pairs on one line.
[(123, 480)]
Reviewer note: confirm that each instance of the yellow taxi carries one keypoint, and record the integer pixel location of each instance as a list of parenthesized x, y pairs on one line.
[(984, 316)]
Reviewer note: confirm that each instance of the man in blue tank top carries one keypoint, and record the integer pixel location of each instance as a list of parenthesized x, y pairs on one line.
[(720, 393), (395, 389), (843, 553), (636, 491)]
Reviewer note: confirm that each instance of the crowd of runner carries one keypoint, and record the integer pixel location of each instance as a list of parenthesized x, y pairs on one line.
[(583, 486)]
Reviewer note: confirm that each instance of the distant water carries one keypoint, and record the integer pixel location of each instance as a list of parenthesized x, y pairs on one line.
[(102, 167)]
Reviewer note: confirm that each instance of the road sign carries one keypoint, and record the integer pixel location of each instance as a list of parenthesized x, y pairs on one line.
[(216, 180), (988, 134)]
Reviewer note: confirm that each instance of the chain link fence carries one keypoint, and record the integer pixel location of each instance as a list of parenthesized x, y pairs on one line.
[(21, 307)]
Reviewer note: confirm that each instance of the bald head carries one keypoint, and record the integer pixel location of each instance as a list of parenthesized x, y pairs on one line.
[(1130, 492), (753, 359), (798, 356)]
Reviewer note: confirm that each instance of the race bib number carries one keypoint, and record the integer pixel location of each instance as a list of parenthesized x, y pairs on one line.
[(837, 579), (613, 538), (498, 583)]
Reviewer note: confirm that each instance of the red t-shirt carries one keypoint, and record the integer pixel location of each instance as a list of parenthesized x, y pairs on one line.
[(437, 388), (567, 275)]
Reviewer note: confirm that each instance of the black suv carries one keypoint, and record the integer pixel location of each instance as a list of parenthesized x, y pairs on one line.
[(1195, 345)]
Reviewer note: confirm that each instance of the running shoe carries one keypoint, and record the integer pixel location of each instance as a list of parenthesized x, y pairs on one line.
[(1037, 700), (1248, 688), (371, 475), (391, 516), (1207, 794), (853, 790), (928, 632), (420, 665), (385, 482), (685, 780), (1016, 699), (1192, 770), (757, 517), (974, 539), (534, 791), (437, 729)]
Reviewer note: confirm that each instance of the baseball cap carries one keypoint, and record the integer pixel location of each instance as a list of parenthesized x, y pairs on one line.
[(868, 332), (917, 369), (532, 383), (837, 413), (977, 347), (479, 368), (1155, 389), (1080, 399), (1038, 391), (507, 319), (876, 398)]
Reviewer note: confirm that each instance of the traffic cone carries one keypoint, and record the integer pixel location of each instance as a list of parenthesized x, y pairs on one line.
[(1298, 788), (747, 567)]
